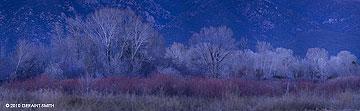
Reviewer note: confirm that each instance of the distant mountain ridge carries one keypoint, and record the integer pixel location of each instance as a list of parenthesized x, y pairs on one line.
[(298, 25)]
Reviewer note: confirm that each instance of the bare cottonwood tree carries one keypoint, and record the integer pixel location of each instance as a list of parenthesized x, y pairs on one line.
[(318, 59), (342, 64), (105, 25), (77, 51), (298, 68), (282, 61), (110, 41), (176, 51), (214, 44), (263, 60), (140, 38), (24, 52)]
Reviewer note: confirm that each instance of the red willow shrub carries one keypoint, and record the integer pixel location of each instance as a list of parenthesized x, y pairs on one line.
[(196, 86), (201, 86), (163, 83), (68, 85), (341, 84), (40, 82)]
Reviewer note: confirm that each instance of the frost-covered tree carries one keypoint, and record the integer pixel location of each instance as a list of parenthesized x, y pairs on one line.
[(342, 64), (243, 63), (177, 52), (24, 52), (214, 45), (144, 44), (30, 59), (107, 42), (105, 26), (270, 63), (282, 61), (318, 59), (263, 62), (76, 52), (299, 67)]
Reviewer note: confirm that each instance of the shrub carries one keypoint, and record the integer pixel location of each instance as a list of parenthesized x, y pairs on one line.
[(40, 82), (200, 86)]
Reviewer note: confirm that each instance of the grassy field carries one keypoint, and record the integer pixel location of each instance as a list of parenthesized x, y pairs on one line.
[(348, 100), (167, 93)]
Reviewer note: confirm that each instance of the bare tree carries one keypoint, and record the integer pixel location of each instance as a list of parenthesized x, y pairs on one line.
[(342, 64), (214, 44), (318, 60), (74, 50), (282, 60), (243, 63), (176, 51), (109, 41), (105, 25), (24, 52), (264, 60), (140, 38), (298, 68)]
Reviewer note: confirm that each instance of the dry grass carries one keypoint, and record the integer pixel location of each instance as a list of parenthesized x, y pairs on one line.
[(165, 92), (348, 100), (197, 86)]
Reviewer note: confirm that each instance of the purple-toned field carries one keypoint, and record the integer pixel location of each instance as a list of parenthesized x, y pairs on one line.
[(197, 86), (167, 92)]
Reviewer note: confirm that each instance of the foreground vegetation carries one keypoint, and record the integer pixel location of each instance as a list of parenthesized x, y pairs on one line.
[(168, 92), (130, 102)]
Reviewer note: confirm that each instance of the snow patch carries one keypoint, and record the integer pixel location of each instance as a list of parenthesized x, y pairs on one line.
[(333, 20)]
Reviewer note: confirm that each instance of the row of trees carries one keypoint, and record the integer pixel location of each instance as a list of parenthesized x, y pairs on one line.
[(215, 53), (114, 42)]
